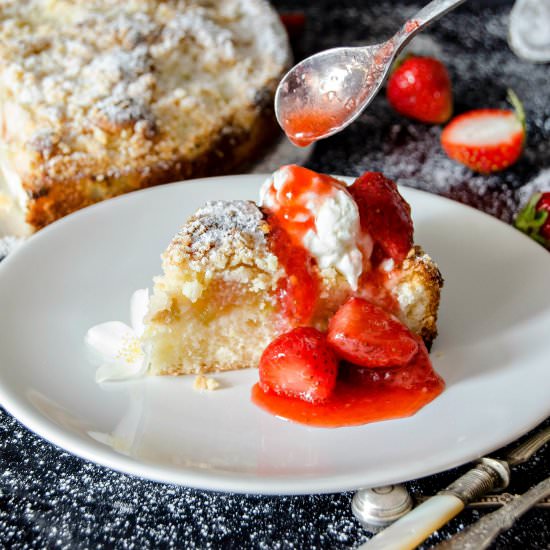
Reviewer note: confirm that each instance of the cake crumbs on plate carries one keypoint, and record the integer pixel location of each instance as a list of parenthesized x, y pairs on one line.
[(205, 383)]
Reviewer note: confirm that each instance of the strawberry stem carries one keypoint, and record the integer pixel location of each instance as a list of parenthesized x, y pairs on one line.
[(516, 103)]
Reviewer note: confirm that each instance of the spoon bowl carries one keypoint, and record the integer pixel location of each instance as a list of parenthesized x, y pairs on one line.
[(330, 89), (324, 93)]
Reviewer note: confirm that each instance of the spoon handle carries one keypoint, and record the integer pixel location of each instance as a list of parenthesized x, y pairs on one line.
[(429, 13)]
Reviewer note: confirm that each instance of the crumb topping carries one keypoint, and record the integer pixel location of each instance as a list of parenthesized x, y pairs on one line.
[(138, 82), (223, 234)]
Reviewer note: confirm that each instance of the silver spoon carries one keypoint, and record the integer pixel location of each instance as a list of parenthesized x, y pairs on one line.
[(327, 91)]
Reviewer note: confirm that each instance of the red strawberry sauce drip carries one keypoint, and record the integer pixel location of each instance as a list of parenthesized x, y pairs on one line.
[(373, 286), (361, 396), (299, 187), (297, 293), (411, 26)]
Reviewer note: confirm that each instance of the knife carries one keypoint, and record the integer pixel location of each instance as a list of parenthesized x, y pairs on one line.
[(489, 474)]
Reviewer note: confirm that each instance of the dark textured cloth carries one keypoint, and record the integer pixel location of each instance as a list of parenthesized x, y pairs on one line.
[(49, 498)]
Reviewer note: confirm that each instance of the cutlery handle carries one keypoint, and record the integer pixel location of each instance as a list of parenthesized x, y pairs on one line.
[(482, 533), (409, 531), (416, 526), (429, 13)]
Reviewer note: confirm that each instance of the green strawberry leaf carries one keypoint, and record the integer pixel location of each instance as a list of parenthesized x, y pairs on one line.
[(516, 103), (530, 220)]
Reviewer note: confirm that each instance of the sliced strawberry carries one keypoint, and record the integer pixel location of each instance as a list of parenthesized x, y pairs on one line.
[(385, 215), (417, 373), (486, 140), (299, 364), (534, 218), (420, 88), (366, 335)]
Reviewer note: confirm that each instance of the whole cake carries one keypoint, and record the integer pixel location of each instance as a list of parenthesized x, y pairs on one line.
[(99, 98)]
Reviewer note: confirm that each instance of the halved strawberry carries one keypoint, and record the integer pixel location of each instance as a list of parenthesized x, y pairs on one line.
[(420, 88), (417, 373), (385, 215), (534, 218), (366, 335), (300, 364), (486, 140)]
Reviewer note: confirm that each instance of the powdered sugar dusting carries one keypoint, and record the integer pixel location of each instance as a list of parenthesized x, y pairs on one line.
[(216, 41), (73, 503), (424, 44), (213, 224), (63, 501), (220, 230), (93, 74)]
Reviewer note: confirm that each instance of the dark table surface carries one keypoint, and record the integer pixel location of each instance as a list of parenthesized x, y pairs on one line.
[(49, 498)]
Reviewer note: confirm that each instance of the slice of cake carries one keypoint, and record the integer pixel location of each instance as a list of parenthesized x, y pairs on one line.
[(100, 98), (238, 275)]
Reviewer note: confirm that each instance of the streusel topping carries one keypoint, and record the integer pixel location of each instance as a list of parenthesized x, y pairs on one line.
[(138, 82), (223, 234)]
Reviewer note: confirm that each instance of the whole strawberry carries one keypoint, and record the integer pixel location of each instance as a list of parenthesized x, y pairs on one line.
[(486, 140), (420, 88), (534, 218)]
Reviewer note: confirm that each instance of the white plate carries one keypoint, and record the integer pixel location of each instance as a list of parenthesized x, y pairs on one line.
[(493, 352)]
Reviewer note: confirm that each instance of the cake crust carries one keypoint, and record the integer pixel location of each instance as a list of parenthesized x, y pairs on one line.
[(421, 278), (53, 198)]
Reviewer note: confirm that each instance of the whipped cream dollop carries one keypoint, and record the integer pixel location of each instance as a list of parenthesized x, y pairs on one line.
[(319, 212)]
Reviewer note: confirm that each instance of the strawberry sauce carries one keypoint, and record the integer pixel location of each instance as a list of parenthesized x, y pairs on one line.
[(298, 291), (373, 286), (361, 396), (290, 220), (303, 127), (291, 199)]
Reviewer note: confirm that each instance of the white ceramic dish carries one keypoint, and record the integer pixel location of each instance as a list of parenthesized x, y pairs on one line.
[(492, 350)]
